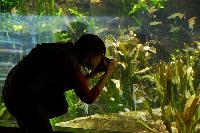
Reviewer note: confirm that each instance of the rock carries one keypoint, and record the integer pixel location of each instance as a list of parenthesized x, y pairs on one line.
[(122, 122)]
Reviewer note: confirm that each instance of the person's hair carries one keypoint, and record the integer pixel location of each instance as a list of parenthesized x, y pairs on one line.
[(89, 44)]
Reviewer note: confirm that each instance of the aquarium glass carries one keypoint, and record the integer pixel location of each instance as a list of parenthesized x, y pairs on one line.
[(154, 87)]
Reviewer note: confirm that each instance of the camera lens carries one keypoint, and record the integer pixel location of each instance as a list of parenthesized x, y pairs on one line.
[(103, 64)]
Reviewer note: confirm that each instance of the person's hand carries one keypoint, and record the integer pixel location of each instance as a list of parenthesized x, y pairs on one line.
[(111, 67)]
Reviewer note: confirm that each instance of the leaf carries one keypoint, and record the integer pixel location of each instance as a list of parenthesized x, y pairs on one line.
[(122, 64), (139, 46), (105, 89), (2, 110), (192, 22), (152, 9), (180, 15), (127, 109), (120, 105), (168, 118), (168, 113), (146, 48), (120, 92), (17, 27), (60, 12), (195, 124), (153, 42), (143, 70), (120, 52), (112, 99), (140, 100), (148, 77), (180, 125), (139, 5), (76, 13), (98, 31), (95, 1), (174, 29), (154, 23), (189, 70), (190, 108), (117, 83), (110, 40), (187, 94), (13, 10)]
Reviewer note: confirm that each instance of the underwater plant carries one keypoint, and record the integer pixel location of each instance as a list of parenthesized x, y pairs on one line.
[(125, 86), (179, 98)]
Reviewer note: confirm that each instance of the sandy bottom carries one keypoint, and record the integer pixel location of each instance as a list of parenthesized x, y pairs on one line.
[(122, 122)]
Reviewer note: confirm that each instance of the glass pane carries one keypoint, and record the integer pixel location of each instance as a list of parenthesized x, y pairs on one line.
[(153, 88)]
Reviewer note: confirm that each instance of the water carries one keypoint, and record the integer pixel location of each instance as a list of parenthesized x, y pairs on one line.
[(19, 34), (158, 51)]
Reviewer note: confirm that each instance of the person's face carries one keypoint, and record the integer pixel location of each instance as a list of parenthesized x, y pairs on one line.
[(93, 61)]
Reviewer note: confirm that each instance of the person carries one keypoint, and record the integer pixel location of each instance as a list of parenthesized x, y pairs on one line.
[(34, 88)]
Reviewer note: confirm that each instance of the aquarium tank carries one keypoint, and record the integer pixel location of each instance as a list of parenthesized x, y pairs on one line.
[(156, 85)]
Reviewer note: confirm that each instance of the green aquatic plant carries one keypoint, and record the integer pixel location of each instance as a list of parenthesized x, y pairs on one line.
[(39, 7), (123, 90), (7, 5), (4, 114), (74, 108), (178, 99), (145, 5), (73, 102)]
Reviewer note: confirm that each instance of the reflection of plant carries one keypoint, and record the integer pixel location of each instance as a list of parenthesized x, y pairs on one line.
[(75, 30), (80, 24)]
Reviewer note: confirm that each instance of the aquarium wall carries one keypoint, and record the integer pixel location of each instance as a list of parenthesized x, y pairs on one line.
[(155, 86)]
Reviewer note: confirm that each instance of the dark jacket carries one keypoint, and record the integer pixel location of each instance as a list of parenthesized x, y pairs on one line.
[(43, 76)]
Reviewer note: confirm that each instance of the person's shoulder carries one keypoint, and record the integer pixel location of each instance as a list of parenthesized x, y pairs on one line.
[(71, 63), (49, 45), (61, 48)]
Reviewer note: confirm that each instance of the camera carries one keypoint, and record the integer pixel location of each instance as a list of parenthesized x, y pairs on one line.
[(103, 66)]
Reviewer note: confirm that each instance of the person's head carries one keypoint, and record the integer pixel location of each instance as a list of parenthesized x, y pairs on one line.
[(90, 50)]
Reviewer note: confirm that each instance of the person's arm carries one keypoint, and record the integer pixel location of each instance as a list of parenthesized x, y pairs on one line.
[(81, 87), (91, 74)]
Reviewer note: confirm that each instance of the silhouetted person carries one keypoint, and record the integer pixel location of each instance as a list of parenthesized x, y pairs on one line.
[(34, 88)]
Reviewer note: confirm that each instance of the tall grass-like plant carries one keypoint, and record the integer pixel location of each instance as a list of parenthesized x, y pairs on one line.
[(178, 99)]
